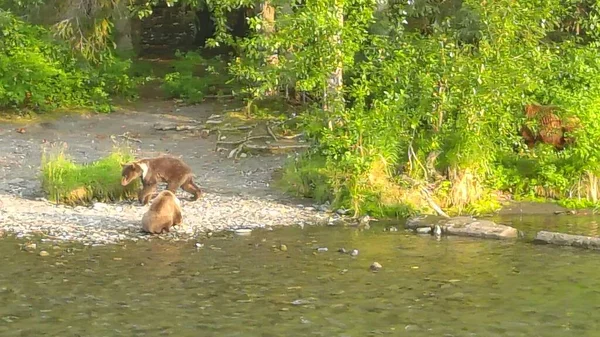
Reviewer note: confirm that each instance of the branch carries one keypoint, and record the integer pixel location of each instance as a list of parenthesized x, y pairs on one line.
[(427, 197)]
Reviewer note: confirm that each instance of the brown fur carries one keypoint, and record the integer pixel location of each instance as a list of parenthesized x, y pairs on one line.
[(167, 169), (164, 213), (551, 128)]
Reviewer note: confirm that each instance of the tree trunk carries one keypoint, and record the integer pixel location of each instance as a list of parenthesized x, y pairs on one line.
[(268, 15), (333, 93), (122, 24)]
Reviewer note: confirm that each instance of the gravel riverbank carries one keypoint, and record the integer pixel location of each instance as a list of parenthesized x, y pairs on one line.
[(111, 223), (237, 193)]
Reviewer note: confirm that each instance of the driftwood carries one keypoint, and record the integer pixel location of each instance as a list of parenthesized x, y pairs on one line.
[(292, 136), (237, 142), (276, 148), (562, 239), (220, 96), (427, 196), (177, 127), (270, 131), (129, 138)]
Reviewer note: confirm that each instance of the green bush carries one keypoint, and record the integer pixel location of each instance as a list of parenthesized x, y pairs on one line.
[(195, 77), (66, 182), (40, 72), (435, 99)]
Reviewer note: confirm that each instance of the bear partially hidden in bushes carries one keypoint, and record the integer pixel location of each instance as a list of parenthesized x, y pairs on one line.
[(551, 129)]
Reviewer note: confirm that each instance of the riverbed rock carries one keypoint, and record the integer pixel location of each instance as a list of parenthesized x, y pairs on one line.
[(243, 231), (562, 239), (481, 228), (424, 230), (375, 266), (462, 226)]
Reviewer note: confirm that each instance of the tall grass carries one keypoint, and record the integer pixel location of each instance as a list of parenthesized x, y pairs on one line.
[(67, 182)]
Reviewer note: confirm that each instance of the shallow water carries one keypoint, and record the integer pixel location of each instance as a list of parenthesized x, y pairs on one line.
[(243, 286)]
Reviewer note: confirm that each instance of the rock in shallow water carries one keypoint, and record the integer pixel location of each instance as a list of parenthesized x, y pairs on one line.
[(375, 266), (243, 231), (462, 226), (424, 230), (562, 239)]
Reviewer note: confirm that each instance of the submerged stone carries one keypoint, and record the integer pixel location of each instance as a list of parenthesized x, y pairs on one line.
[(424, 230), (481, 228), (562, 239), (461, 226), (375, 266)]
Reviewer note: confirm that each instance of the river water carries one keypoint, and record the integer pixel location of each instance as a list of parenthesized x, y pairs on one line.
[(247, 286)]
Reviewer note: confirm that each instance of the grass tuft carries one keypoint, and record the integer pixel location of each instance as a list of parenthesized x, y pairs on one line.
[(67, 182)]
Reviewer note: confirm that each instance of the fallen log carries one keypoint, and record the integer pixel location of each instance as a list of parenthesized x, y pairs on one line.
[(562, 239), (241, 141), (275, 148), (177, 127)]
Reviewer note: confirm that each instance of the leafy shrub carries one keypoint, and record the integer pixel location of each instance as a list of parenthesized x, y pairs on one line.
[(438, 106), (38, 71), (195, 77), (70, 183)]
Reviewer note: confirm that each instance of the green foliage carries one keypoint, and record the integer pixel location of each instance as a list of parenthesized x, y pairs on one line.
[(66, 182), (307, 178), (433, 95), (195, 77), (455, 85), (40, 72)]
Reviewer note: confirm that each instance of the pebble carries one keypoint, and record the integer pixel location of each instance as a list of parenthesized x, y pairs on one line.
[(243, 155), (375, 266), (243, 231), (424, 230), (437, 230), (323, 208), (44, 253), (283, 248), (342, 250), (354, 252), (342, 211), (322, 249)]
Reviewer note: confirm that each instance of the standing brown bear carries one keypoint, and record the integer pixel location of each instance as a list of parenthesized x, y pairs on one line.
[(167, 169)]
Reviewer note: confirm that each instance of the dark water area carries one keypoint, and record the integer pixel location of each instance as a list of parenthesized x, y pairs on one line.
[(247, 286)]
